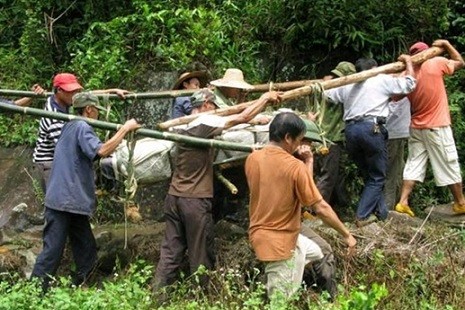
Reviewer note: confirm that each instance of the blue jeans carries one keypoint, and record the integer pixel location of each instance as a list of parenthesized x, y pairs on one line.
[(369, 152)]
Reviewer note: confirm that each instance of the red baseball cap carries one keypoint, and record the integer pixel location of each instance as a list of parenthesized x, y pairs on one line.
[(418, 47), (66, 81)]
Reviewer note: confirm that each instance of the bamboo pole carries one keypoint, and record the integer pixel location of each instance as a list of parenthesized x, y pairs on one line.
[(259, 88), (263, 88), (133, 96), (193, 141), (306, 90), (228, 184)]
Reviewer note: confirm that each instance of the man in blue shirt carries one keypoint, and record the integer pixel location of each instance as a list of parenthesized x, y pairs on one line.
[(70, 197), (182, 106)]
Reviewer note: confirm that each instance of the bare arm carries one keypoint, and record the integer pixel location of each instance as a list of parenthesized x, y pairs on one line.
[(26, 101), (324, 211), (408, 64), (250, 112), (120, 92), (453, 53), (109, 146)]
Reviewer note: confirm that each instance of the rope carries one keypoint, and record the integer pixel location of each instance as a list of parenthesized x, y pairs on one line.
[(130, 186), (107, 105)]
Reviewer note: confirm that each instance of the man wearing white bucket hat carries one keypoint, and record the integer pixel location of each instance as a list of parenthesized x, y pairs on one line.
[(230, 88)]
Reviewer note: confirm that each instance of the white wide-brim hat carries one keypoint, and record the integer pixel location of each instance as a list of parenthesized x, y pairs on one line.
[(233, 78)]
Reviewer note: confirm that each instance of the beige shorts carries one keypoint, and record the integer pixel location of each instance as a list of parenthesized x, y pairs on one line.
[(285, 276), (437, 145)]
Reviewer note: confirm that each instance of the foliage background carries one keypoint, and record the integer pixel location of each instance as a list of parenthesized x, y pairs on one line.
[(116, 43)]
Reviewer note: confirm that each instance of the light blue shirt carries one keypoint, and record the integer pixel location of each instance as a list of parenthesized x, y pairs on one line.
[(371, 97)]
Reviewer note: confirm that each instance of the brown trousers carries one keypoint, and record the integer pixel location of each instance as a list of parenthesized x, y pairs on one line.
[(189, 227)]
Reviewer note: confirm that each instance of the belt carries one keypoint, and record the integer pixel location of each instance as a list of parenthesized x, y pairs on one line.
[(381, 120)]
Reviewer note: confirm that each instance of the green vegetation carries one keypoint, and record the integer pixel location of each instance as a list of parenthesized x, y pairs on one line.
[(118, 43), (424, 274)]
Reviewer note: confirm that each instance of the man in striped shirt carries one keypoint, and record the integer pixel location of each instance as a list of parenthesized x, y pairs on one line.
[(65, 86)]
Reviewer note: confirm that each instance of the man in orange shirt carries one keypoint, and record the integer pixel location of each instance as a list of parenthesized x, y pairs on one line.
[(279, 185), (430, 132)]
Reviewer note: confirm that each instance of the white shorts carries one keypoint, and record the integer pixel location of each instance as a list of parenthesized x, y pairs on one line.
[(285, 276), (437, 145)]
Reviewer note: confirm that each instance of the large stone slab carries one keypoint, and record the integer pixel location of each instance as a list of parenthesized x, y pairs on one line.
[(444, 214)]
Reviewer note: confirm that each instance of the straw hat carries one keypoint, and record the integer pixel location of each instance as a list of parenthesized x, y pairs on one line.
[(201, 75), (233, 78)]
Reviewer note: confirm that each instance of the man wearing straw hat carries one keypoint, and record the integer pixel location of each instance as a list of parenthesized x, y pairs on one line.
[(230, 89), (181, 106), (188, 205), (70, 197)]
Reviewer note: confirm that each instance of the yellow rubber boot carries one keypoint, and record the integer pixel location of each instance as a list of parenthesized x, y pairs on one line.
[(405, 209)]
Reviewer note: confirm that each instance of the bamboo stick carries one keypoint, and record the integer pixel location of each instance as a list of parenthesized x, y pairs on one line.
[(193, 141), (259, 88), (134, 96), (229, 185), (306, 90), (263, 88)]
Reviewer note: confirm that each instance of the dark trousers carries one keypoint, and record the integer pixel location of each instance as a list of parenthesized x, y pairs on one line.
[(59, 226), (42, 173), (396, 163), (368, 149), (329, 180), (189, 226)]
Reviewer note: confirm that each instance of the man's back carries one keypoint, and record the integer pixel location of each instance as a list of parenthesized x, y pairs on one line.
[(429, 99), (193, 173), (71, 186)]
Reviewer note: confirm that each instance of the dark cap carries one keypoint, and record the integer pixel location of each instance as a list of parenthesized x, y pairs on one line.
[(199, 97), (312, 132), (344, 68), (84, 99)]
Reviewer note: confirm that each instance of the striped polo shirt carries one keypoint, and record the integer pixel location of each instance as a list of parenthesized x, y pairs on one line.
[(49, 132)]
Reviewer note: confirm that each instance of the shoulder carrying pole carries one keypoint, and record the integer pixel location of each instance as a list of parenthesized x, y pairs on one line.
[(306, 90), (142, 131)]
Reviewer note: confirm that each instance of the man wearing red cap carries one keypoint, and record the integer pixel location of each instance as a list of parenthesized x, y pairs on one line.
[(430, 132), (65, 85)]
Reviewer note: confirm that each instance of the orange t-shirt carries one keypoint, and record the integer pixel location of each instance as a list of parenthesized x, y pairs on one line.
[(429, 99), (279, 185)]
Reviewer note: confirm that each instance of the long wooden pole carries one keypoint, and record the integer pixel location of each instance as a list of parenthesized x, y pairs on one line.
[(306, 90), (262, 88), (259, 88), (142, 131), (133, 96)]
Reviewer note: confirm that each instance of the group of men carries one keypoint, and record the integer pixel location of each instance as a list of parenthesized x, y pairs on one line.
[(280, 176)]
